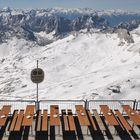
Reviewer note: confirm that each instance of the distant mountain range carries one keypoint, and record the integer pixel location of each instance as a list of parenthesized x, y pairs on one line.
[(58, 22)]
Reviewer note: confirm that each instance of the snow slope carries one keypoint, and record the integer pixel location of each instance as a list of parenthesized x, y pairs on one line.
[(85, 66)]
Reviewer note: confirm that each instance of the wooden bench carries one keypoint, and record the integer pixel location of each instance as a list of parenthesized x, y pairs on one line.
[(99, 121), (69, 124), (92, 121), (42, 121), (19, 121), (125, 124), (38, 121), (72, 126), (45, 120), (65, 120), (13, 120)]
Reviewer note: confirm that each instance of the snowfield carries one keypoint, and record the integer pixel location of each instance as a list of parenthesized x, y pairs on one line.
[(84, 66)]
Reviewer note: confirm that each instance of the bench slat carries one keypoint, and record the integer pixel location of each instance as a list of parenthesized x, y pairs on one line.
[(45, 120), (19, 121), (65, 120), (99, 121), (38, 127), (92, 121), (72, 126), (13, 122), (123, 121)]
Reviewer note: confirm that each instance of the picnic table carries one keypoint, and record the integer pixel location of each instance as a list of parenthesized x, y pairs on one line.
[(132, 114)]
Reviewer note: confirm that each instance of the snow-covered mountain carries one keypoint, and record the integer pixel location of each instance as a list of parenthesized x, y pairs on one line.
[(57, 23), (83, 53)]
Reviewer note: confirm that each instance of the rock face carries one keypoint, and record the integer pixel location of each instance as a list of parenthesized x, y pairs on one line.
[(59, 22), (124, 34)]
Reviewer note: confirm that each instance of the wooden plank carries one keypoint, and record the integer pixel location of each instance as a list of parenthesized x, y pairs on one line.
[(123, 121), (45, 120), (72, 126), (99, 120), (19, 121), (109, 115), (13, 121), (38, 127), (92, 121), (28, 117)]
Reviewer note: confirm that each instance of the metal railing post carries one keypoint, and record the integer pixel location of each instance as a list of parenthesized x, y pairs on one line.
[(134, 105), (86, 102), (37, 103)]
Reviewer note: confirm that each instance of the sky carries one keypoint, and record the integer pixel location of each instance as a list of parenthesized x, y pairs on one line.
[(95, 4)]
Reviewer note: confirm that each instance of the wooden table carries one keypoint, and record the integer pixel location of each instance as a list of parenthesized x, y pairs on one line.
[(82, 117), (54, 117), (28, 117), (4, 114), (109, 115), (132, 114)]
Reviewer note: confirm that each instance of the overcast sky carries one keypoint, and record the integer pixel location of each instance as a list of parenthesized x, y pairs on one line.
[(95, 4)]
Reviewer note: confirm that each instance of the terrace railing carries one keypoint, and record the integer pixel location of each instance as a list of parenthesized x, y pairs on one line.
[(17, 104), (63, 104), (70, 104), (113, 104), (138, 105)]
